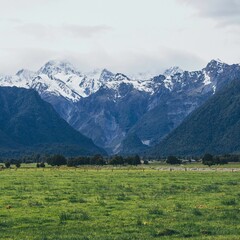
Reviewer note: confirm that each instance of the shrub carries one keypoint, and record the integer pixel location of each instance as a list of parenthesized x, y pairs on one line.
[(74, 162), (42, 165), (98, 160), (208, 160), (18, 165), (57, 160), (116, 160), (173, 160), (7, 164), (133, 160)]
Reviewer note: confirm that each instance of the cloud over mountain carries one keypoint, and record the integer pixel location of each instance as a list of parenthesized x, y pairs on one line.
[(226, 12)]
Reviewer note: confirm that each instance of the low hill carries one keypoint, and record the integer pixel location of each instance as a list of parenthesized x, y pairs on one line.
[(29, 124)]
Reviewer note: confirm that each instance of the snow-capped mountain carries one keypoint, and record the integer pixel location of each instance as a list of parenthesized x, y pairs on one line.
[(61, 78), (172, 71), (110, 107)]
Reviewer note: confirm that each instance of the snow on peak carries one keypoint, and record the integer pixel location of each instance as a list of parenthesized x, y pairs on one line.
[(61, 78), (207, 79), (55, 66), (215, 63), (218, 60), (95, 74), (172, 71), (25, 73), (170, 75), (106, 75), (121, 77), (143, 75)]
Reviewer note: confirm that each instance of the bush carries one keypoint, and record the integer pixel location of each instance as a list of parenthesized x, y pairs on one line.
[(116, 160), (134, 160), (18, 165), (173, 160), (57, 160), (42, 165), (210, 160), (98, 160), (7, 164), (74, 162)]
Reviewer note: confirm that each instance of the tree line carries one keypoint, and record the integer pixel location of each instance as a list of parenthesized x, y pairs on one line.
[(207, 159), (98, 159), (58, 160)]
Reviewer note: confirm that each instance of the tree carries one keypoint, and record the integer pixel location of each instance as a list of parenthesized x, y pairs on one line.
[(72, 162), (7, 164), (136, 160), (173, 160), (98, 160), (145, 162), (42, 165), (208, 160), (116, 160), (18, 165), (223, 161), (57, 160)]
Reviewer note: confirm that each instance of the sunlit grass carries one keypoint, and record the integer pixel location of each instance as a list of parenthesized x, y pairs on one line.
[(112, 203)]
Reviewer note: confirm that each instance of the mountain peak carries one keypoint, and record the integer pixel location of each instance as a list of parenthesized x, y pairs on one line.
[(105, 75), (121, 77), (94, 74), (143, 75), (217, 60), (172, 71), (57, 66), (25, 73), (215, 63)]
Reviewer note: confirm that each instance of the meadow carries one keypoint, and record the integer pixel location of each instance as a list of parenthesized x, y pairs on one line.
[(130, 203)]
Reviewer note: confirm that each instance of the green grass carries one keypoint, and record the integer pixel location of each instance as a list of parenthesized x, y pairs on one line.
[(126, 204), (196, 165)]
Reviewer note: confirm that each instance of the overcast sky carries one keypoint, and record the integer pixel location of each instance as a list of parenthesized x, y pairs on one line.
[(127, 36)]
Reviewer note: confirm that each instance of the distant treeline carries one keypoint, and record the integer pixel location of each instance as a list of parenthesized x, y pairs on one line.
[(57, 160), (207, 159), (95, 160)]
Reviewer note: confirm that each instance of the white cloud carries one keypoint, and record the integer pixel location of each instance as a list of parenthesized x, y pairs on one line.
[(128, 62), (71, 30), (127, 36), (14, 59), (226, 12)]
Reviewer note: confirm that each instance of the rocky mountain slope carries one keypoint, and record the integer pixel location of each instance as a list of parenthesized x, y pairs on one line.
[(29, 124), (186, 92), (213, 127), (110, 108)]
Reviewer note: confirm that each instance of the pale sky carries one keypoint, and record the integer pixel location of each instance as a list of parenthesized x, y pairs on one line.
[(128, 36)]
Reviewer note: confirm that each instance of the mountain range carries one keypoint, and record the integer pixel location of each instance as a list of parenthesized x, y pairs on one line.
[(119, 113)]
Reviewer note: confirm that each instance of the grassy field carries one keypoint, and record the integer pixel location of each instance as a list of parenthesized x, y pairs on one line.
[(118, 204)]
